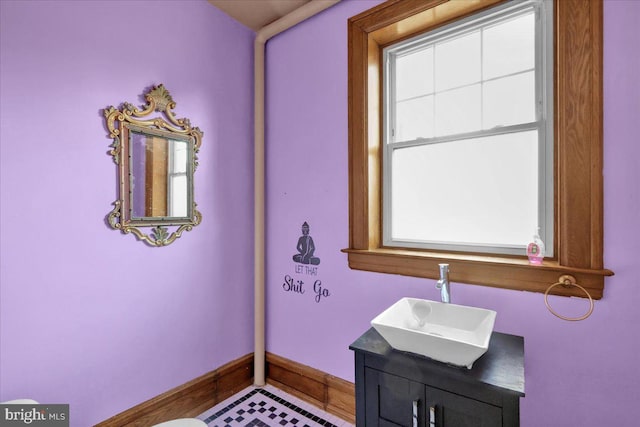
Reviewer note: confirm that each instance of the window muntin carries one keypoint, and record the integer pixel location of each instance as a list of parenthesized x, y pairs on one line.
[(493, 169)]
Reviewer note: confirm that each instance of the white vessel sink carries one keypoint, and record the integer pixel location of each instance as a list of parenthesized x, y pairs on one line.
[(449, 333)]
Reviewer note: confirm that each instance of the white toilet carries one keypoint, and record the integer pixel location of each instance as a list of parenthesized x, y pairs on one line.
[(183, 422)]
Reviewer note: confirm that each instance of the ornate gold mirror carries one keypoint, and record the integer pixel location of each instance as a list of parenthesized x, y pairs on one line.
[(156, 158)]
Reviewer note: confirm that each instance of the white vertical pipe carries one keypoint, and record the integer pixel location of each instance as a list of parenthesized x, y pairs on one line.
[(262, 36), (258, 219)]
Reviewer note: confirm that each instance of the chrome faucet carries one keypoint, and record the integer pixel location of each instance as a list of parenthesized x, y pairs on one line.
[(443, 283)]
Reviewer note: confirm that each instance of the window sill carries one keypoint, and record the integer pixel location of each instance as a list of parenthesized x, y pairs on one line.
[(495, 271)]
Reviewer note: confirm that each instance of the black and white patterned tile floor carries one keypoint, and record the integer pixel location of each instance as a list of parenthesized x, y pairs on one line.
[(268, 407)]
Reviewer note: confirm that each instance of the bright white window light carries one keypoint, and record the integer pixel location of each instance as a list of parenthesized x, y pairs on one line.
[(468, 133), (178, 187)]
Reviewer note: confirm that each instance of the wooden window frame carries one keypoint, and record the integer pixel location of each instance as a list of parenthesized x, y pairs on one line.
[(578, 182)]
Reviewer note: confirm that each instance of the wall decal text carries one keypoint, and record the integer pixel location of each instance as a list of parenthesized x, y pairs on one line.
[(306, 263)]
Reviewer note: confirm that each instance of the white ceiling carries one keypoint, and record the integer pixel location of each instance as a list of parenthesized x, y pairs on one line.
[(255, 14)]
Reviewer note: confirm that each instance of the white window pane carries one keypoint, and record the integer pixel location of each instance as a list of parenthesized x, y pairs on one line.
[(414, 119), (458, 111), (414, 74), (509, 47), (476, 191), (179, 156), (509, 100), (458, 62), (178, 202)]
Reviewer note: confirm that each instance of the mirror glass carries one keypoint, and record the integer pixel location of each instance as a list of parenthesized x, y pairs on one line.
[(159, 175)]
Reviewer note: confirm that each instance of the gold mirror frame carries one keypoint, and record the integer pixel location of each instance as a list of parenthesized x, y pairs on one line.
[(123, 124)]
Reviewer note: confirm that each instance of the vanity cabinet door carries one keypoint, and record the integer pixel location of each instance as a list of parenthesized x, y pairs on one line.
[(453, 410), (392, 401)]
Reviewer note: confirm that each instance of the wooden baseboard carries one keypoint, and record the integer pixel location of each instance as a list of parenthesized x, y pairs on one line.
[(333, 394), (189, 399)]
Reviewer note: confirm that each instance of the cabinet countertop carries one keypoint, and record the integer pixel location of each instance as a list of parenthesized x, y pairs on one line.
[(502, 366)]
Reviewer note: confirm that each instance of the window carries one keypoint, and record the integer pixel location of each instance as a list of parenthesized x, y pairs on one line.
[(572, 213), (468, 142), (177, 186)]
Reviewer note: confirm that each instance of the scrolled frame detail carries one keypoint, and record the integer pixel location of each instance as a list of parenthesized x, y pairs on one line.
[(118, 121)]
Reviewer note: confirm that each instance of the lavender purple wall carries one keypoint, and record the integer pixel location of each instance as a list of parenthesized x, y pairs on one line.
[(89, 316), (577, 374)]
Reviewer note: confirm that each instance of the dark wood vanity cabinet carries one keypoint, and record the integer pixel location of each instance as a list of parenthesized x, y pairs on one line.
[(395, 388)]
